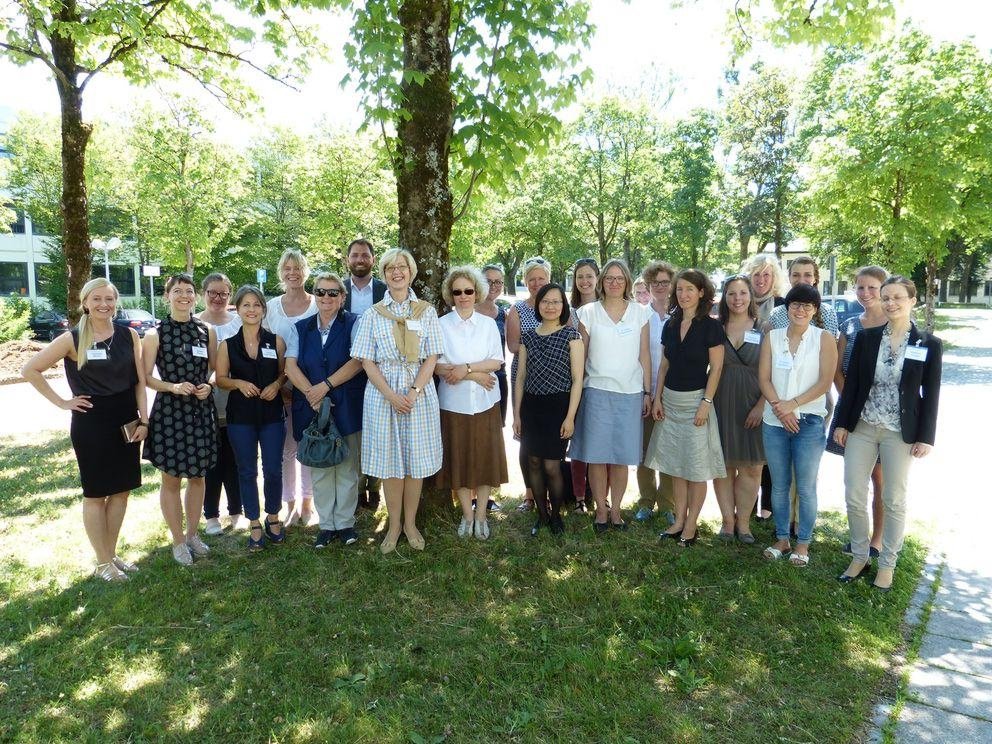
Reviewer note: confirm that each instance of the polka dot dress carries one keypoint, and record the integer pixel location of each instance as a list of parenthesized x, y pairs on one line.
[(182, 436)]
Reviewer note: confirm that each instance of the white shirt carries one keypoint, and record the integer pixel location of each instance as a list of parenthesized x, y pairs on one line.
[(361, 299), (794, 375), (614, 362), (657, 324), (465, 341), (281, 324)]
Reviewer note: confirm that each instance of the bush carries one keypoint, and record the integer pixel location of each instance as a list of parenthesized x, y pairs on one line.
[(15, 316)]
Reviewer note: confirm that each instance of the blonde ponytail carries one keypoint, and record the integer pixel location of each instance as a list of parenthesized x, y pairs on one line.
[(84, 335)]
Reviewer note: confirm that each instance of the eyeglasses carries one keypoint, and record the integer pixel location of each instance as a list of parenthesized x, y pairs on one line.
[(459, 292), (215, 295), (613, 279), (552, 303), (806, 307), (321, 292), (890, 298), (495, 282), (659, 285), (397, 268)]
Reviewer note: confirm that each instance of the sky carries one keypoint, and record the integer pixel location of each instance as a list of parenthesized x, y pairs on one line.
[(634, 41)]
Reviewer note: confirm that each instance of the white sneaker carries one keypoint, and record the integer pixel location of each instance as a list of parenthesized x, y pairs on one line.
[(465, 528), (197, 547), (182, 554), (481, 529), (237, 522), (214, 527)]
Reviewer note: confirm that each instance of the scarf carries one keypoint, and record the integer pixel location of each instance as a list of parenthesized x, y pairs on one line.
[(407, 341)]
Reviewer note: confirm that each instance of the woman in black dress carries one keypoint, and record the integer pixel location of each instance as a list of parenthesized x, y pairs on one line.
[(182, 437), (107, 380)]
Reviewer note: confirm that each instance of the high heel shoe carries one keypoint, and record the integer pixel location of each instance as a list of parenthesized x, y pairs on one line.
[(846, 578), (670, 535), (688, 542)]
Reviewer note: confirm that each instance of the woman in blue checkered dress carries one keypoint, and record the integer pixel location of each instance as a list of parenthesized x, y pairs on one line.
[(398, 341)]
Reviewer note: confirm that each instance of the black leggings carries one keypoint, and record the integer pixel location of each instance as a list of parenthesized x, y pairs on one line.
[(224, 473), (547, 483)]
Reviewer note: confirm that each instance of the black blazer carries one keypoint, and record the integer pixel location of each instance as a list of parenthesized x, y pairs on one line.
[(378, 292), (919, 387)]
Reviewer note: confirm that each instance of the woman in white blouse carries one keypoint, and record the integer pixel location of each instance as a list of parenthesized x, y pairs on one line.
[(795, 371), (617, 390), (474, 458)]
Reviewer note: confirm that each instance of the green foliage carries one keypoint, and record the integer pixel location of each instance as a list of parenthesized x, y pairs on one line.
[(15, 314)]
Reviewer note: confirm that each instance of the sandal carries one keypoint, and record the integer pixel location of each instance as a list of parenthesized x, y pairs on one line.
[(773, 554), (274, 537), (799, 560), (109, 572), (255, 545)]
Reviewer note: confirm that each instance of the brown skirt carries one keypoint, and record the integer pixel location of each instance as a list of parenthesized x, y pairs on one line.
[(474, 454)]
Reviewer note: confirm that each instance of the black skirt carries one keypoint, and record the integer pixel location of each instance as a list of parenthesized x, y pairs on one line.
[(107, 464), (541, 417)]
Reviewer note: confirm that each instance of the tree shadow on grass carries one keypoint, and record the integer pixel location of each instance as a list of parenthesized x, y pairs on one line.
[(514, 639)]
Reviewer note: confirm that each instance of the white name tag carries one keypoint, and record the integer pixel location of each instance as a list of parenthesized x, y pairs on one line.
[(783, 361), (414, 325), (916, 353), (624, 330), (752, 337), (269, 353), (200, 351), (92, 354)]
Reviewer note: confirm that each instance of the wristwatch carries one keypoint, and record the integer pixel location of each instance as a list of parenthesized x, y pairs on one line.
[(469, 368), (414, 387), (708, 400)]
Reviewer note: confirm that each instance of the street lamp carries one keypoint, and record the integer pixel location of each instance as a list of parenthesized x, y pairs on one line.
[(106, 246)]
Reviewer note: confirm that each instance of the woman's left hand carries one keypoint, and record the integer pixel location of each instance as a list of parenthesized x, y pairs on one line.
[(784, 407), (202, 392), (140, 434), (270, 391), (920, 449), (702, 413), (455, 373), (645, 405), (753, 420), (567, 428), (315, 394)]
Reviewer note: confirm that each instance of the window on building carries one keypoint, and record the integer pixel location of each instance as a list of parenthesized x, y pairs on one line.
[(121, 276), (13, 278)]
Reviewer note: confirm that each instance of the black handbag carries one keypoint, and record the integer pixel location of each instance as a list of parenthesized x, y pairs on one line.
[(322, 445)]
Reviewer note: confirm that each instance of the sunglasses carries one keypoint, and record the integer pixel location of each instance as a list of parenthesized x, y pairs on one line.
[(460, 292), (321, 292)]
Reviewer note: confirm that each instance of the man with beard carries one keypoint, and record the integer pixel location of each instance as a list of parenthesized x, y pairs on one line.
[(363, 291)]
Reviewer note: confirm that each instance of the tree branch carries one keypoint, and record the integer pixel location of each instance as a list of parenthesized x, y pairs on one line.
[(125, 46), (188, 43)]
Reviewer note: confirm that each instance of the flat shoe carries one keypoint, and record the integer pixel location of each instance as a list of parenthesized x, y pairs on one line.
[(124, 565), (846, 578), (388, 544), (600, 527), (109, 572), (872, 552), (725, 536), (416, 541), (620, 526), (799, 560), (773, 554), (745, 537)]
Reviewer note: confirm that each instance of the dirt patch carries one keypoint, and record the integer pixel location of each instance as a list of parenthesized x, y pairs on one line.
[(13, 355)]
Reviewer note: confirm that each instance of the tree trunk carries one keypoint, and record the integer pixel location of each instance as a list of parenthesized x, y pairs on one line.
[(931, 290), (744, 241), (75, 136), (188, 249), (423, 140), (964, 291), (601, 238)]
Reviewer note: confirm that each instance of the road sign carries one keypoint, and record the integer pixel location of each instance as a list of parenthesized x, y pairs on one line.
[(260, 276), (151, 270)]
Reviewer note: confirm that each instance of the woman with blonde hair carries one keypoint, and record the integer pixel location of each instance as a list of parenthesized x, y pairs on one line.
[(767, 281), (281, 315), (474, 460), (109, 415), (399, 342)]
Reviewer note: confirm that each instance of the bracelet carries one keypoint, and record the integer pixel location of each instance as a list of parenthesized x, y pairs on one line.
[(646, 392), (143, 423), (708, 400), (330, 385)]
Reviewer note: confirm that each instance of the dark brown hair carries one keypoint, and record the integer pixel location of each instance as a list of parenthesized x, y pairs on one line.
[(700, 281)]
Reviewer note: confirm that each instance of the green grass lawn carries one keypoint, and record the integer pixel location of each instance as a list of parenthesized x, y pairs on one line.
[(611, 639)]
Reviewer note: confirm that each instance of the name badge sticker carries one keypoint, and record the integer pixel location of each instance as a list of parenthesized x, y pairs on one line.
[(916, 353), (199, 351), (783, 361), (624, 330), (92, 354), (414, 325), (752, 337), (269, 353)]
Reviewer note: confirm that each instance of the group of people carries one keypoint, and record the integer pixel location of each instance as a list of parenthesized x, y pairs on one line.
[(741, 398)]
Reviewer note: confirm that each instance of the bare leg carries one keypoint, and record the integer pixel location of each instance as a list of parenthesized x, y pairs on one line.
[(172, 508), (617, 482), (597, 475), (680, 494), (746, 486), (725, 492), (194, 504), (465, 499), (411, 502), (696, 495), (877, 508), (392, 488), (95, 523), (116, 506)]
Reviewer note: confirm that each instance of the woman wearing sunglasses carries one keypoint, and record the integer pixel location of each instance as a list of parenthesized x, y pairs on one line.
[(474, 458)]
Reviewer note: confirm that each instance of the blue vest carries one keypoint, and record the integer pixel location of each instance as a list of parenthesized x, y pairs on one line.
[(318, 363)]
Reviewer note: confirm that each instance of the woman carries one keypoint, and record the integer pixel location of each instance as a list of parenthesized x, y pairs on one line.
[(319, 364), (686, 444), (641, 294), (281, 315), (217, 291), (107, 380), (548, 390), (182, 437), (474, 459), (399, 341), (617, 390), (738, 405), (585, 274), (654, 487), (250, 366), (868, 285), (521, 318), (887, 411), (795, 371)]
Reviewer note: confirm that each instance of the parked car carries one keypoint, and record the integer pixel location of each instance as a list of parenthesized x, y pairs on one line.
[(845, 307), (48, 324), (139, 320)]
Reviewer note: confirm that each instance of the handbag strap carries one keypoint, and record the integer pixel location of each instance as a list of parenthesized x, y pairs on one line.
[(324, 417)]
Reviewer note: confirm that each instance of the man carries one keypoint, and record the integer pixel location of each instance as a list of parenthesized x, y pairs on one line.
[(364, 290)]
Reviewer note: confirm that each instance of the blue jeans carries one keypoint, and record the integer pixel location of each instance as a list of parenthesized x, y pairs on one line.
[(246, 439), (800, 453)]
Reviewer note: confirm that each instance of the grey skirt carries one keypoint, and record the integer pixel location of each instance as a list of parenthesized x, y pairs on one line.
[(608, 428), (680, 448)]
